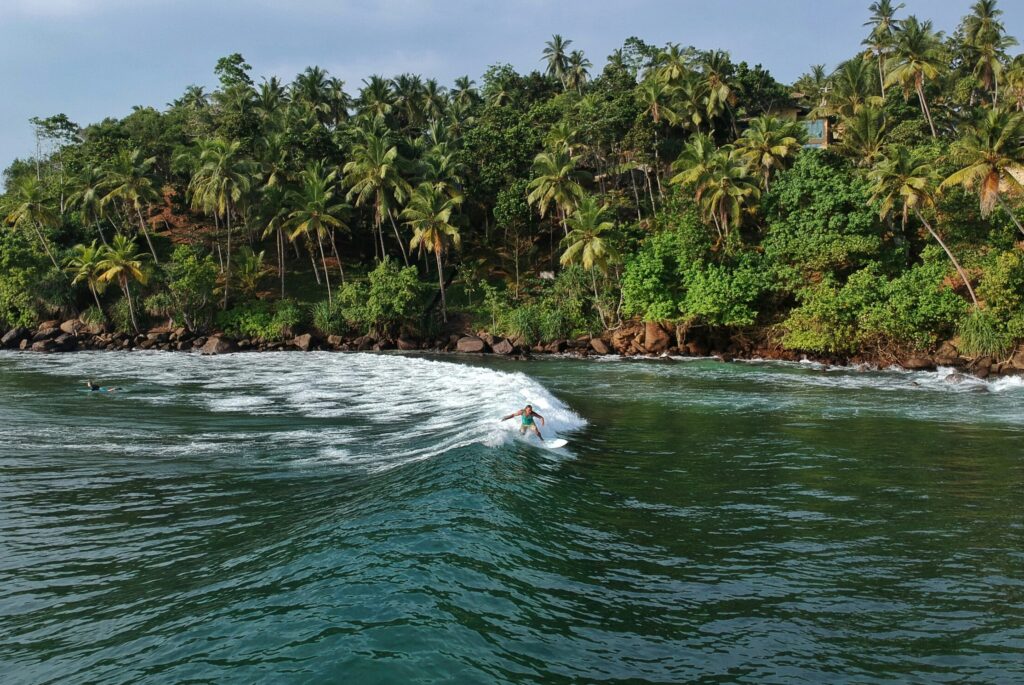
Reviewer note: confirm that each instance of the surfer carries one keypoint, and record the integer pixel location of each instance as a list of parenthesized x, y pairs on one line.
[(528, 423), (99, 388)]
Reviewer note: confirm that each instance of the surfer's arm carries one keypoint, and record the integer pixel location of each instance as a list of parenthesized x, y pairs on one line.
[(539, 417), (511, 416)]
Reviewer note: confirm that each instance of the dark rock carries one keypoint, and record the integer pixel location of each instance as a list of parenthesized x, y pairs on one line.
[(71, 326), (149, 344), (363, 343), (599, 346), (470, 343), (624, 337), (52, 323), (502, 346), (13, 337), (656, 339), (303, 342), (406, 344), (179, 333), (385, 345), (44, 346), (218, 345), (199, 342), (334, 341), (65, 342), (538, 349), (556, 347), (981, 367), (1017, 360), (46, 334), (948, 355), (696, 349), (24, 344), (918, 363)]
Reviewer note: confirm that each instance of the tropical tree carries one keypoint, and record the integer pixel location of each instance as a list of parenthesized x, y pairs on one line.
[(86, 265), (555, 184), (918, 58), (29, 208), (224, 174), (986, 44), (429, 215), (880, 41), (123, 264), (88, 197), (557, 58), (720, 180), (904, 179), (577, 72), (864, 135), (769, 144), (130, 179), (853, 88), (464, 93), (672, 65), (317, 214), (990, 157), (376, 99), (588, 242), (373, 175)]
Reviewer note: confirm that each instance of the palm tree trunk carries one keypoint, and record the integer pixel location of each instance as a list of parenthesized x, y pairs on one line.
[(323, 259), (227, 260), (924, 107), (1013, 217), (131, 306), (99, 229), (636, 195), (46, 246), (956, 264), (440, 281), (334, 249), (92, 289), (280, 258), (145, 232), (881, 74), (405, 255)]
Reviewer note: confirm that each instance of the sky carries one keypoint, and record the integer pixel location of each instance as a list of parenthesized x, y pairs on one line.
[(96, 58)]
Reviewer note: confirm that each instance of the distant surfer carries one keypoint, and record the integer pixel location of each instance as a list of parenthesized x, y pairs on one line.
[(99, 388), (528, 423)]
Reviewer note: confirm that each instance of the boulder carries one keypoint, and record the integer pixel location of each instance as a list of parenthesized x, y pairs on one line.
[(218, 345), (502, 346), (93, 329), (46, 334), (179, 333), (71, 326), (1017, 360), (981, 367), (656, 339), (405, 344), (13, 337), (556, 347), (918, 363), (52, 323), (334, 341), (304, 342), (24, 344), (148, 344), (44, 346), (624, 337), (363, 343), (65, 342), (470, 343), (948, 355), (599, 346)]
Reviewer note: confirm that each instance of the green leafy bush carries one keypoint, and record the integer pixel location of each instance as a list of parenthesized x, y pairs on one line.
[(120, 315), (261, 320), (981, 334), (191, 278), (384, 303), (1002, 289), (327, 318)]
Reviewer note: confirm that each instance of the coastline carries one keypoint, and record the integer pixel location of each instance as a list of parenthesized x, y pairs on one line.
[(633, 340)]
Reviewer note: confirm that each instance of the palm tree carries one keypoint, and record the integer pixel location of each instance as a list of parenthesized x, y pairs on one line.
[(130, 179), (86, 264), (28, 207), (578, 71), (655, 96), (429, 214), (224, 174), (408, 95), (672, 65), (903, 179), (1014, 82), (556, 56), (317, 213), (464, 92), (986, 43), (880, 41), (728, 192), (769, 144), (852, 88), (555, 184), (434, 98), (864, 135), (588, 241), (813, 89), (716, 70), (918, 57), (88, 197), (989, 156), (122, 263), (376, 99), (443, 170), (374, 175)]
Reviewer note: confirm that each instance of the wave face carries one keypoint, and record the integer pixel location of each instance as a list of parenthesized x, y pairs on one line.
[(306, 518)]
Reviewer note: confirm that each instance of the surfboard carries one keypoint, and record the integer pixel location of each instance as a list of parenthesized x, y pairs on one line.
[(555, 443)]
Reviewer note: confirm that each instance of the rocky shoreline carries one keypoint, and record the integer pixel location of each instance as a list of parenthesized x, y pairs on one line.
[(632, 339)]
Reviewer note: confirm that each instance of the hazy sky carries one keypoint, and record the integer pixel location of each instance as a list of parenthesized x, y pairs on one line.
[(97, 58)]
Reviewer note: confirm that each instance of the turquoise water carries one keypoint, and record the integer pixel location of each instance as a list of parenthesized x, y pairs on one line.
[(310, 518)]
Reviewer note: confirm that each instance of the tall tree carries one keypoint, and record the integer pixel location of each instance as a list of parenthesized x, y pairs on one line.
[(904, 179), (557, 57), (223, 176), (990, 157), (123, 264), (86, 264), (917, 59), (317, 214), (769, 144), (429, 215), (28, 208), (880, 41), (555, 184), (589, 242), (374, 175), (130, 179)]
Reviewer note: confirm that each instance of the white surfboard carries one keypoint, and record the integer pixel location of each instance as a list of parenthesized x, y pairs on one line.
[(555, 443)]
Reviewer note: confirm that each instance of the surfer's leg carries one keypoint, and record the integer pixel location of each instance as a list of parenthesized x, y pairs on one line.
[(537, 431)]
